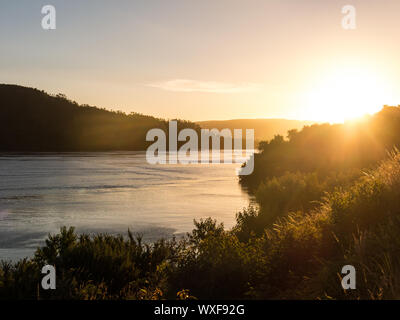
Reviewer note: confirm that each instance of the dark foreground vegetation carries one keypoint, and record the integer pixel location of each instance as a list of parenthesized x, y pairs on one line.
[(328, 196), (32, 120)]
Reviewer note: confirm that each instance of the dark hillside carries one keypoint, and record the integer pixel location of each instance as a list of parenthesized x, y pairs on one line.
[(324, 148), (32, 120)]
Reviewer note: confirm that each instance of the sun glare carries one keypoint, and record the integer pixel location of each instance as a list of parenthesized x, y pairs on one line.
[(346, 94)]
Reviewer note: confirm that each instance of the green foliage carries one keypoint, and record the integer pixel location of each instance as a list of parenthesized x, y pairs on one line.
[(358, 225), (97, 267), (31, 120), (325, 148), (290, 192), (214, 256)]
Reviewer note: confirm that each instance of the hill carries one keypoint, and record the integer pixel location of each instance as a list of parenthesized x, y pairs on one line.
[(324, 148), (32, 120), (264, 129)]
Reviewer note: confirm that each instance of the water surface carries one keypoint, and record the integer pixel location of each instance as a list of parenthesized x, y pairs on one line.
[(108, 192)]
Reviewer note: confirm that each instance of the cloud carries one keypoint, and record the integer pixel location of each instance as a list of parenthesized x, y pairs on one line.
[(186, 85)]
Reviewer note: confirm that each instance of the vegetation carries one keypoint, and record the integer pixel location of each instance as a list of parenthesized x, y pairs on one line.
[(327, 149), (328, 196), (31, 120)]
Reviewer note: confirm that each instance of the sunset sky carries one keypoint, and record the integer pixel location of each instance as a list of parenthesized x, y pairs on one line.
[(208, 59)]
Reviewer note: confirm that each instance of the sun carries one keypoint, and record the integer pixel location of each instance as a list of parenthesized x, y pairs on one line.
[(346, 93)]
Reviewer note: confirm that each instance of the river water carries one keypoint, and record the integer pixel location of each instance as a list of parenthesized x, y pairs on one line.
[(108, 192)]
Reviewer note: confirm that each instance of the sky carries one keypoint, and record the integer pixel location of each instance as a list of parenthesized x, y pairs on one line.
[(208, 59)]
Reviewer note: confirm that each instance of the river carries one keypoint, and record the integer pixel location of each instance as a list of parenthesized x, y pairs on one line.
[(108, 192)]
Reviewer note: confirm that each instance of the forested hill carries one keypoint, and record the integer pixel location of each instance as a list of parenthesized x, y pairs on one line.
[(325, 148), (32, 120)]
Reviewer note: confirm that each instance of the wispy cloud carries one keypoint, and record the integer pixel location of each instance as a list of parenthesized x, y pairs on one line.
[(186, 85)]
